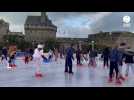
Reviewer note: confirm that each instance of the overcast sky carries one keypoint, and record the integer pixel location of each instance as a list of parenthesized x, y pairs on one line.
[(74, 24)]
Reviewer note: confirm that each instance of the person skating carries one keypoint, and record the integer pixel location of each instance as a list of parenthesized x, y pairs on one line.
[(120, 61), (129, 61), (12, 52), (106, 57), (114, 65), (27, 56), (78, 56), (4, 54), (31, 52), (50, 55), (92, 58), (56, 54), (68, 60), (38, 58)]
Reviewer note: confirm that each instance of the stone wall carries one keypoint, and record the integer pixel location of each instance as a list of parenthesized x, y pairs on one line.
[(39, 35)]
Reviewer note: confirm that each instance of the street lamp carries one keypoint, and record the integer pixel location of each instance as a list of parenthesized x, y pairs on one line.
[(127, 22), (92, 43)]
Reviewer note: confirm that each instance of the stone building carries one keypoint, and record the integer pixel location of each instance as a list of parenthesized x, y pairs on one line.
[(39, 28), (4, 29), (115, 38)]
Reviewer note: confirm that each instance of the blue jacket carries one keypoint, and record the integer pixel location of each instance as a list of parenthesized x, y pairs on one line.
[(69, 53), (4, 51), (114, 55)]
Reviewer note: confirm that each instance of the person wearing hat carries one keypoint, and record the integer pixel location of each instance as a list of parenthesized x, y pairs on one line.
[(38, 58)]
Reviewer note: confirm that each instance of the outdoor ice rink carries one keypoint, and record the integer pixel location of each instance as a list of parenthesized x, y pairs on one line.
[(54, 76)]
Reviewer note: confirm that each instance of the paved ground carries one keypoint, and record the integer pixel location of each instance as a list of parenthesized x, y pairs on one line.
[(54, 76)]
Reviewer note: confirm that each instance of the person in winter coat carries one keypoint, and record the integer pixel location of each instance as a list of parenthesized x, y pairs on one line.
[(120, 61), (68, 60), (78, 56), (92, 58), (114, 64), (12, 53), (56, 54), (106, 57), (38, 59), (4, 54), (129, 61)]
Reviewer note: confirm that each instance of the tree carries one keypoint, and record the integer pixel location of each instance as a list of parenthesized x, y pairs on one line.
[(51, 44), (17, 40)]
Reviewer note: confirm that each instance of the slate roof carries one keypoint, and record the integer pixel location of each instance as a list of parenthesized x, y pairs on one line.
[(36, 20)]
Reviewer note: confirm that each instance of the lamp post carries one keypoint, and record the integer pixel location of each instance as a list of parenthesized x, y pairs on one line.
[(92, 43), (127, 22), (110, 33)]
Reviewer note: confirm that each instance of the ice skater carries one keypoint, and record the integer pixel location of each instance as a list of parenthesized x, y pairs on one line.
[(50, 55), (4, 55), (78, 56), (92, 58), (68, 60), (120, 61), (38, 59), (31, 52), (12, 53), (56, 54), (129, 60), (114, 65), (105, 55), (27, 56)]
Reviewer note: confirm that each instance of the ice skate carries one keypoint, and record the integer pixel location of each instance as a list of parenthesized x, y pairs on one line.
[(38, 75), (118, 82), (122, 78), (13, 65), (9, 67), (71, 73)]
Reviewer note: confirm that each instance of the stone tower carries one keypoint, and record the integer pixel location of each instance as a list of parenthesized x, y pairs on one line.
[(39, 28)]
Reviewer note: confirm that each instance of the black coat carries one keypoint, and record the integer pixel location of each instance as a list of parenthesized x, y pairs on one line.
[(129, 58)]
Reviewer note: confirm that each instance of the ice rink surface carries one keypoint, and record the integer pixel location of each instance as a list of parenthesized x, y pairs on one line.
[(54, 76)]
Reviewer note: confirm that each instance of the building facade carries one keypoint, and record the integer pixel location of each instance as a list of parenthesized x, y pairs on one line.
[(4, 30), (39, 28)]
